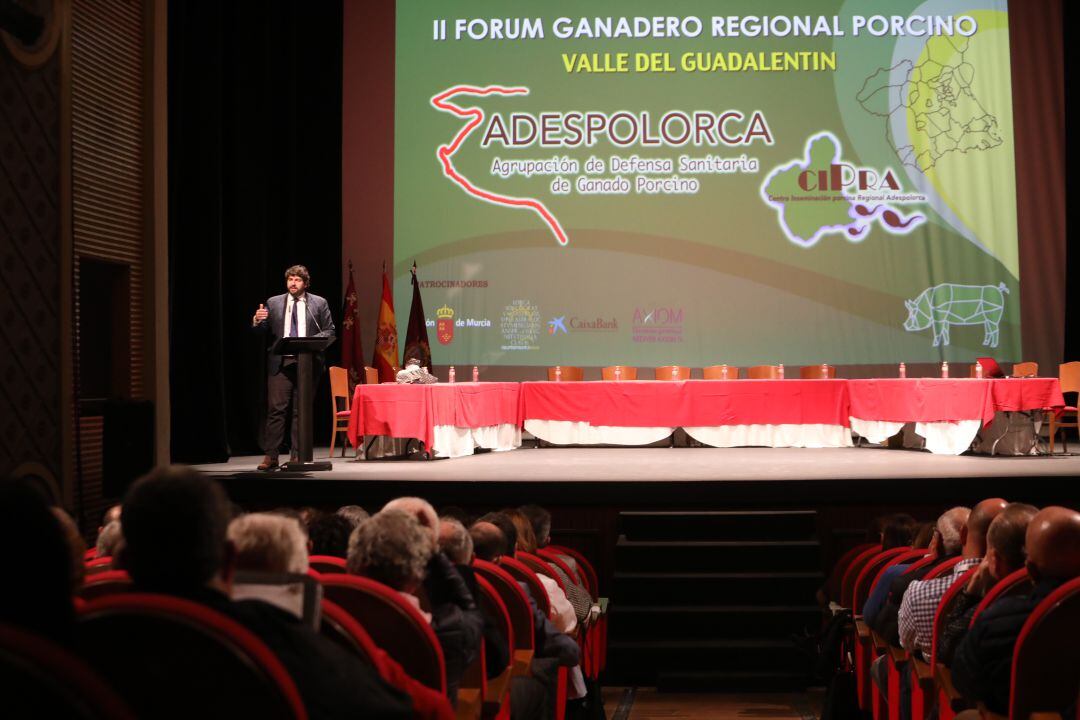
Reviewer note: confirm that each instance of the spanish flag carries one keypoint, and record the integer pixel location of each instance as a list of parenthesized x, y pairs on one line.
[(385, 359)]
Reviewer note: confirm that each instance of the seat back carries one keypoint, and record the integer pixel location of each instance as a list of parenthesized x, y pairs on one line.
[(521, 571), (98, 565), (495, 608), (326, 564), (1025, 369), (817, 372), (847, 586), (339, 389), (942, 569), (1069, 375), (42, 679), (566, 373), (671, 372), (1045, 673), (145, 644), (102, 584), (555, 561), (839, 568), (716, 372), (371, 376), (921, 563), (514, 601), (343, 629), (1015, 583), (541, 566), (585, 568), (864, 583), (393, 624), (944, 609), (625, 373), (763, 372)]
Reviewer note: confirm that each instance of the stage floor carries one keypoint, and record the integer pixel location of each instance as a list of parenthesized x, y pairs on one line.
[(639, 465)]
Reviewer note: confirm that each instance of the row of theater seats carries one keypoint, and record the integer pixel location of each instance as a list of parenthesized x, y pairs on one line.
[(1040, 680), (129, 632)]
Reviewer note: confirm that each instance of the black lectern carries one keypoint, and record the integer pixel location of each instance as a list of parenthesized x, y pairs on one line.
[(303, 348)]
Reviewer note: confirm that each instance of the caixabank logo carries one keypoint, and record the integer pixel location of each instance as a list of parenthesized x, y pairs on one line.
[(566, 324)]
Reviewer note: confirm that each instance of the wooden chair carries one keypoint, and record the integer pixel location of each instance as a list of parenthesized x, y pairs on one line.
[(371, 376), (671, 372), (1069, 375), (123, 636), (1025, 369), (625, 373), (396, 626), (327, 564), (817, 372), (43, 679), (764, 372), (567, 373), (339, 406), (1045, 672), (716, 372)]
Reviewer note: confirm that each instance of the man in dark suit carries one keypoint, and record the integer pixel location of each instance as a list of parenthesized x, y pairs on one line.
[(296, 313)]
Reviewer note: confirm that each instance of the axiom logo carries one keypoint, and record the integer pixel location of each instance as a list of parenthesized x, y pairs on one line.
[(658, 324)]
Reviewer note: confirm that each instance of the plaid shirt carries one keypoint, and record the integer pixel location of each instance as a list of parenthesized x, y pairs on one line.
[(920, 604)]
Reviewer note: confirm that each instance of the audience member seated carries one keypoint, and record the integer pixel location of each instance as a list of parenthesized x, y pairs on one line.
[(883, 605), (456, 543), (982, 666), (271, 544), (175, 523), (456, 617), (540, 521), (108, 540), (328, 534), (917, 610), (392, 548), (41, 561), (354, 514), (898, 530), (562, 612), (532, 696), (1004, 556)]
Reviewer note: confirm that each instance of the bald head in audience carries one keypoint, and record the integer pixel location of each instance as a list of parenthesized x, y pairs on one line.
[(1005, 539), (1053, 544), (978, 522), (488, 541)]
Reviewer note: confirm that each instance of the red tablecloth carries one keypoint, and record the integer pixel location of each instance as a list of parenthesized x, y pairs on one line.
[(691, 403), (950, 399), (413, 411)]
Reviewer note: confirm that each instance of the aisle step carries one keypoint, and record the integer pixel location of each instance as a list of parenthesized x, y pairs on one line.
[(705, 588), (684, 622), (704, 555), (719, 525)]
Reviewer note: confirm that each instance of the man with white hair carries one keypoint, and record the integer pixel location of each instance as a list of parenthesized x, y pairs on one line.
[(456, 617), (271, 544)]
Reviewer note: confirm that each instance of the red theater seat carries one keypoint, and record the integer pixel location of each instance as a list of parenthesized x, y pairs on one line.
[(42, 679), (110, 582), (396, 626), (325, 564), (1046, 669), (497, 690), (864, 648), (172, 658)]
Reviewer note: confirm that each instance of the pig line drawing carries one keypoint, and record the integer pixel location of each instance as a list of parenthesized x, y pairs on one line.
[(947, 304)]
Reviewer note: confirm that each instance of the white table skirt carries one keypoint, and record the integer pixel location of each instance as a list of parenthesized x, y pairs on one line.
[(452, 441), (942, 438), (562, 432)]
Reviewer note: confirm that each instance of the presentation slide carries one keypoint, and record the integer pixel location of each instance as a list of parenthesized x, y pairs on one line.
[(595, 184)]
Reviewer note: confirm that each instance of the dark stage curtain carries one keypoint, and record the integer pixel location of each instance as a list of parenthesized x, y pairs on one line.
[(254, 187)]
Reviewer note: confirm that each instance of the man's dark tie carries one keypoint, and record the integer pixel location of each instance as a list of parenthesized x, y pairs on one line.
[(293, 327)]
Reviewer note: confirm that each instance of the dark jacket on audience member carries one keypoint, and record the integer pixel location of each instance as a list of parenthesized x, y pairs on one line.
[(456, 619), (332, 682), (982, 666), (956, 625)]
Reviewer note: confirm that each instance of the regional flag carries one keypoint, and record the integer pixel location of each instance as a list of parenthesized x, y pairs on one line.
[(416, 340), (385, 359), (352, 349)]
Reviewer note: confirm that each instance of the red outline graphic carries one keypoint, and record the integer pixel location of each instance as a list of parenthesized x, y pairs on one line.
[(446, 152)]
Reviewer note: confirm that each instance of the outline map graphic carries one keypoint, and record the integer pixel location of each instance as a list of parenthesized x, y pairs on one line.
[(445, 153)]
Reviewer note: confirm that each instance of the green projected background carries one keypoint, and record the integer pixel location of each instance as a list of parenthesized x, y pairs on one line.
[(791, 198)]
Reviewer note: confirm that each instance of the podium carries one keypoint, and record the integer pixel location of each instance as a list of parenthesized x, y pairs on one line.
[(304, 348)]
